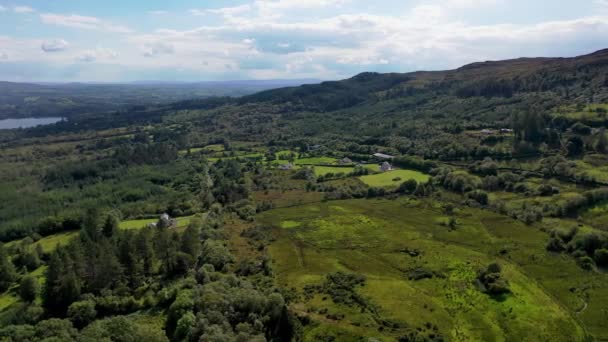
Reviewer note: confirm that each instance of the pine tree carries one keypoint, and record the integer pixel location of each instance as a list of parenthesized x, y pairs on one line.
[(52, 285), (145, 249), (7, 270), (110, 225), (91, 225), (130, 260), (191, 240), (28, 288)]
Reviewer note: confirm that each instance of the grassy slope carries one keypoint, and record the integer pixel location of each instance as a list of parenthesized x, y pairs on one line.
[(364, 236), (386, 179)]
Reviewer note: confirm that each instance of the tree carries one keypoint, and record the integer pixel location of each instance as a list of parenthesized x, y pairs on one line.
[(7, 270), (29, 288), (602, 142), (110, 225), (492, 280), (62, 286), (184, 326), (191, 240), (91, 225), (601, 257), (82, 313), (408, 187), (145, 250), (575, 146)]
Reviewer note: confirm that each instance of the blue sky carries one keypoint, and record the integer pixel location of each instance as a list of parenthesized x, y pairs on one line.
[(119, 41)]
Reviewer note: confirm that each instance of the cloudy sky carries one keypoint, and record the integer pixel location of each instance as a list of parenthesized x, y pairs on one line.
[(128, 40)]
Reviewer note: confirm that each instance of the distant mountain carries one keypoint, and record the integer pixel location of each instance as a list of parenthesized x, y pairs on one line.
[(262, 83), (69, 99)]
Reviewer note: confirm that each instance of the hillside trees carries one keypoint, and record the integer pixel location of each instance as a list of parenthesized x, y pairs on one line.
[(7, 270)]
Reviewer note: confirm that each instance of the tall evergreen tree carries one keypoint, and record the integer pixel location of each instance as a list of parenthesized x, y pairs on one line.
[(91, 225), (110, 225), (7, 270), (145, 249), (191, 240)]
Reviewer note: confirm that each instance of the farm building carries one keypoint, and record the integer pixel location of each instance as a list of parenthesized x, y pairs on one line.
[(165, 221), (386, 166), (346, 161), (286, 167), (383, 156)]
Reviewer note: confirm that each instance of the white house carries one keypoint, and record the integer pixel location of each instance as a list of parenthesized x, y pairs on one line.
[(386, 167)]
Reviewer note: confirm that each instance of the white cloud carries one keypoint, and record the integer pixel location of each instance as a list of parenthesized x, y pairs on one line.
[(82, 22), (471, 3), (157, 48), (278, 39), (23, 9), (2, 8), (158, 12), (97, 54), (270, 8), (54, 45), (3, 56)]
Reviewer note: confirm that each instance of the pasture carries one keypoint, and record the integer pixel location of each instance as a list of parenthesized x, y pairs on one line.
[(389, 240), (394, 178)]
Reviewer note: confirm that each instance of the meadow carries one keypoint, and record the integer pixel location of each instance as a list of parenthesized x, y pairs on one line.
[(389, 240), (394, 178)]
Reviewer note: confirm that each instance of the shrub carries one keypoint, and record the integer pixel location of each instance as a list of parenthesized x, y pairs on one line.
[(492, 280), (556, 244), (82, 313), (601, 257), (29, 288), (586, 263), (408, 187), (479, 196)]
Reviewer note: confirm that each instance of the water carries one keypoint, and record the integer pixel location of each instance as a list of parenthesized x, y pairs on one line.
[(27, 122)]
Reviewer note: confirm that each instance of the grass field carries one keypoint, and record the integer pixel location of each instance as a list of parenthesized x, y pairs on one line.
[(550, 295), (49, 243), (394, 178), (138, 224), (244, 156), (316, 161), (323, 170)]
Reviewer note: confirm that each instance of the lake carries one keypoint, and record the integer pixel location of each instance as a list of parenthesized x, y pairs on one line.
[(27, 122)]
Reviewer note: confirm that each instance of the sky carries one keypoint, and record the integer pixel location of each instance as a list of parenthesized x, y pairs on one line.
[(212, 40)]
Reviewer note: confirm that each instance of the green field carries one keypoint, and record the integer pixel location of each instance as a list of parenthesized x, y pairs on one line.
[(323, 170), (369, 236), (394, 178), (49, 243), (316, 161), (138, 224), (244, 156)]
